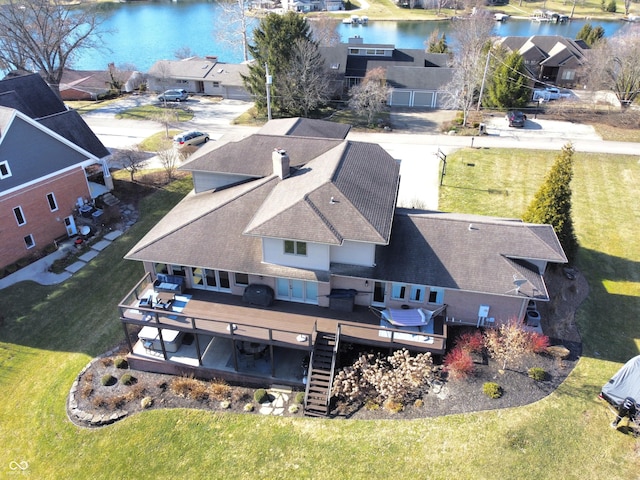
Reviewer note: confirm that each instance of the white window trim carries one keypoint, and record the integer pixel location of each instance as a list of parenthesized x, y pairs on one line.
[(55, 202), (33, 241), (24, 219), (421, 288), (403, 290), (236, 282), (295, 248), (5, 164)]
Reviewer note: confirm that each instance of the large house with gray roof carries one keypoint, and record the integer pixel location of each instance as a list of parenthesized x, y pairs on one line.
[(290, 245), (415, 78), (549, 59), (202, 76), (50, 163)]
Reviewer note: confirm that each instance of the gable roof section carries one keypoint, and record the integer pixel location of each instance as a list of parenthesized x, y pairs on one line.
[(31, 95), (228, 73), (251, 156), (468, 252), (359, 65), (194, 68), (22, 144), (306, 127), (347, 193), (70, 125), (215, 220)]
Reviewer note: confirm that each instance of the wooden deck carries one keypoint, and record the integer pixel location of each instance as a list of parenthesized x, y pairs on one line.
[(284, 324)]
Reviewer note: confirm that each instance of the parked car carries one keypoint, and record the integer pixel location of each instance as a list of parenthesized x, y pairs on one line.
[(177, 95), (550, 93), (190, 138), (516, 118)]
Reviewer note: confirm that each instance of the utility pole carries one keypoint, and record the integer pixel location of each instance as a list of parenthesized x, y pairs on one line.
[(268, 85), (484, 78)]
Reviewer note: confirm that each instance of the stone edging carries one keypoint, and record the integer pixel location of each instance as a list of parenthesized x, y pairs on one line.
[(85, 419)]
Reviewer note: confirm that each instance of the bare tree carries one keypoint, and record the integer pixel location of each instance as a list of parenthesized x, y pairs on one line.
[(46, 35), (614, 64), (170, 160), (305, 84), (183, 52), (235, 33), (324, 30), (471, 37), (370, 96), (131, 159)]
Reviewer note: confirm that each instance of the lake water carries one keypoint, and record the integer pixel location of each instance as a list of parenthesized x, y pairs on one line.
[(143, 33)]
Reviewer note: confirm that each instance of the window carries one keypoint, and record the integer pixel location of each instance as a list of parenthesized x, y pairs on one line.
[(398, 291), (354, 51), (568, 74), (242, 279), (182, 82), (51, 198), (215, 84), (17, 212), (5, 171), (295, 248), (436, 295), (417, 293), (29, 241), (335, 66)]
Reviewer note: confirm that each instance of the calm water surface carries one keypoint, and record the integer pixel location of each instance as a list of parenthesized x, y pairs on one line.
[(143, 33)]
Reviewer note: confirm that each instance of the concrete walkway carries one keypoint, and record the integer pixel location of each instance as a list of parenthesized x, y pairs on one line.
[(39, 271)]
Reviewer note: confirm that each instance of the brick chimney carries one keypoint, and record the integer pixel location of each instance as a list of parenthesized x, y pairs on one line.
[(280, 163)]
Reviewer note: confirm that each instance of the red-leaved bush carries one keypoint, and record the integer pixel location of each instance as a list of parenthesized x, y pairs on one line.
[(458, 363), (471, 342), (539, 342)]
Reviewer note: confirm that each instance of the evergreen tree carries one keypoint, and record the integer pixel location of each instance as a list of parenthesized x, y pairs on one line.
[(508, 87), (584, 32), (437, 43), (552, 202), (589, 34), (273, 39)]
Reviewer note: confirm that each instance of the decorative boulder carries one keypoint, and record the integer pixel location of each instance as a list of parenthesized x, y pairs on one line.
[(558, 351)]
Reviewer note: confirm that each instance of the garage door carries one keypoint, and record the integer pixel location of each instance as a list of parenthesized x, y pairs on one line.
[(400, 98), (423, 99)]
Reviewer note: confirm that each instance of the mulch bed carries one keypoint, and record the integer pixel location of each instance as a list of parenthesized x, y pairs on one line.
[(445, 397)]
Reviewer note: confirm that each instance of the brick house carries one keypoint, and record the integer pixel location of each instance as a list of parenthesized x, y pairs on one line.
[(50, 162)]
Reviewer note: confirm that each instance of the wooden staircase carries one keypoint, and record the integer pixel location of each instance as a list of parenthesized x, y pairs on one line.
[(320, 376)]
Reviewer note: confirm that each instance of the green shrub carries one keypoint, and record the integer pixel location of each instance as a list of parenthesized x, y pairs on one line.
[(127, 379), (121, 362), (225, 404), (294, 409), (371, 405), (537, 373), (492, 390), (261, 395), (146, 402), (299, 398), (248, 407), (419, 403), (108, 380)]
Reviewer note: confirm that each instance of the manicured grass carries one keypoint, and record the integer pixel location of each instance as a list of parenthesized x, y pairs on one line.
[(158, 141), (50, 333), (154, 112), (85, 106)]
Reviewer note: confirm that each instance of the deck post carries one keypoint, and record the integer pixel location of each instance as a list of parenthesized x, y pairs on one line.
[(126, 335), (273, 364)]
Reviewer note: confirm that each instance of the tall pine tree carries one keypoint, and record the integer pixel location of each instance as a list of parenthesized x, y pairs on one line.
[(273, 40), (552, 202), (508, 87)]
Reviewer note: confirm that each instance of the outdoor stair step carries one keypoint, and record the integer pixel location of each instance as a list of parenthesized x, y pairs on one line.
[(320, 383), (318, 389), (320, 372)]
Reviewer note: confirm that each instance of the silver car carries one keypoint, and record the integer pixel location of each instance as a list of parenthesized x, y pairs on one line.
[(191, 138), (178, 95)]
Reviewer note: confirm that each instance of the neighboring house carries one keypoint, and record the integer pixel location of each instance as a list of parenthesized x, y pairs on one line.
[(50, 161), (416, 78), (95, 84), (549, 59), (306, 6), (312, 220), (203, 76)]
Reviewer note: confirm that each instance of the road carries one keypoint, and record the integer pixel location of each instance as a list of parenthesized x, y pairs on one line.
[(415, 143)]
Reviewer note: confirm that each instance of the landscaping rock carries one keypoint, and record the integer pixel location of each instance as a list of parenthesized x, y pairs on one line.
[(559, 351)]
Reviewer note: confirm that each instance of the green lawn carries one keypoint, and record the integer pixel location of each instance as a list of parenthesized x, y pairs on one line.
[(153, 112), (50, 333)]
